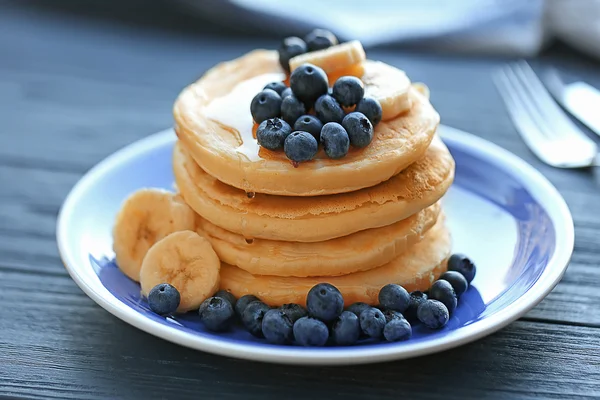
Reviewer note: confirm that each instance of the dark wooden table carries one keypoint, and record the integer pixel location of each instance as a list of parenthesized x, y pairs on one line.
[(78, 82)]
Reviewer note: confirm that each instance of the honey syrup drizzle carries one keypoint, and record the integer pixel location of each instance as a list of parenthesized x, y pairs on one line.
[(233, 111)]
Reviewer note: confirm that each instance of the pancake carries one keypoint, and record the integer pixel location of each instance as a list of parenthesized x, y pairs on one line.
[(212, 118), (415, 269), (359, 251), (319, 218)]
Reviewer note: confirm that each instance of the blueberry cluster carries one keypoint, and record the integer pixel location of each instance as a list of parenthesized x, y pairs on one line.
[(286, 120), (324, 321), (293, 46)]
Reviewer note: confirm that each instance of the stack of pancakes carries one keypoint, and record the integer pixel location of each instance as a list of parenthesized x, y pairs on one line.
[(359, 223)]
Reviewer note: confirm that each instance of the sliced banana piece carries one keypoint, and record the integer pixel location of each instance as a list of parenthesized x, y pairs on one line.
[(389, 85), (147, 216), (188, 262), (332, 58)]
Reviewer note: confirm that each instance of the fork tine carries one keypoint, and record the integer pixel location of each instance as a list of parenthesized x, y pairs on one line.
[(552, 114), (533, 137), (528, 102)]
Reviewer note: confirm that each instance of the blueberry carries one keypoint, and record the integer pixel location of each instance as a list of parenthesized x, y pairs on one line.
[(348, 90), (461, 263), (290, 48), (391, 314), (266, 104), (433, 314), (308, 82), (457, 280), (279, 87), (320, 39), (277, 327), (300, 146), (224, 294), (397, 330), (243, 302), (371, 108), (325, 302), (335, 140), (253, 316), (345, 330), (358, 307), (164, 299), (271, 133), (442, 290), (394, 297), (416, 298), (359, 128), (372, 322), (292, 109), (294, 311), (216, 313), (328, 109), (310, 124), (310, 332), (287, 92)]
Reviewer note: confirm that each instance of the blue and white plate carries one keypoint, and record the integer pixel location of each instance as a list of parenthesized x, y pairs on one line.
[(502, 213)]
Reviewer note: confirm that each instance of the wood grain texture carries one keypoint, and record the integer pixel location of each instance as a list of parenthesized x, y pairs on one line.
[(78, 82)]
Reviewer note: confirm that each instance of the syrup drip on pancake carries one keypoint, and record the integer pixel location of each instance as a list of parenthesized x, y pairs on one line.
[(232, 111)]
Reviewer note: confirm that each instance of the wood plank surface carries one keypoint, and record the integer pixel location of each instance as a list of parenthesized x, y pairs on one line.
[(79, 82)]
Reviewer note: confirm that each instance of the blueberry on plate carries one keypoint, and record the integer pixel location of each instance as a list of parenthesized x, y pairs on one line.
[(164, 299), (290, 47), (391, 314), (266, 104), (372, 322), (335, 140), (359, 128), (216, 313), (308, 82), (277, 327), (224, 294), (320, 39), (292, 109), (294, 311), (461, 263), (286, 92), (310, 124), (394, 297), (371, 108), (358, 307), (457, 280), (310, 332), (348, 90), (253, 316), (324, 302), (433, 314), (300, 146), (416, 298), (279, 87), (328, 109), (271, 133), (243, 302), (442, 291), (397, 330), (345, 330)]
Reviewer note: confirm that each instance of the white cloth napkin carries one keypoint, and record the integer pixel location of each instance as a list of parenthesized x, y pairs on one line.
[(515, 27)]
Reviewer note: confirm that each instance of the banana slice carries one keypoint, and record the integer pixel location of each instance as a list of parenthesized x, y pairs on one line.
[(147, 216), (185, 260), (332, 58), (389, 85)]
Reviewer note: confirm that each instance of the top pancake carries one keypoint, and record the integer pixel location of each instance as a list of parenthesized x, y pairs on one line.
[(213, 120)]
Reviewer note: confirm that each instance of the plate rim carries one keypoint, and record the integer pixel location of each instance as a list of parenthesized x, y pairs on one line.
[(539, 186)]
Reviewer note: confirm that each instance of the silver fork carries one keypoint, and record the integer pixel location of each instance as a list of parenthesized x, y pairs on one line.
[(542, 124)]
